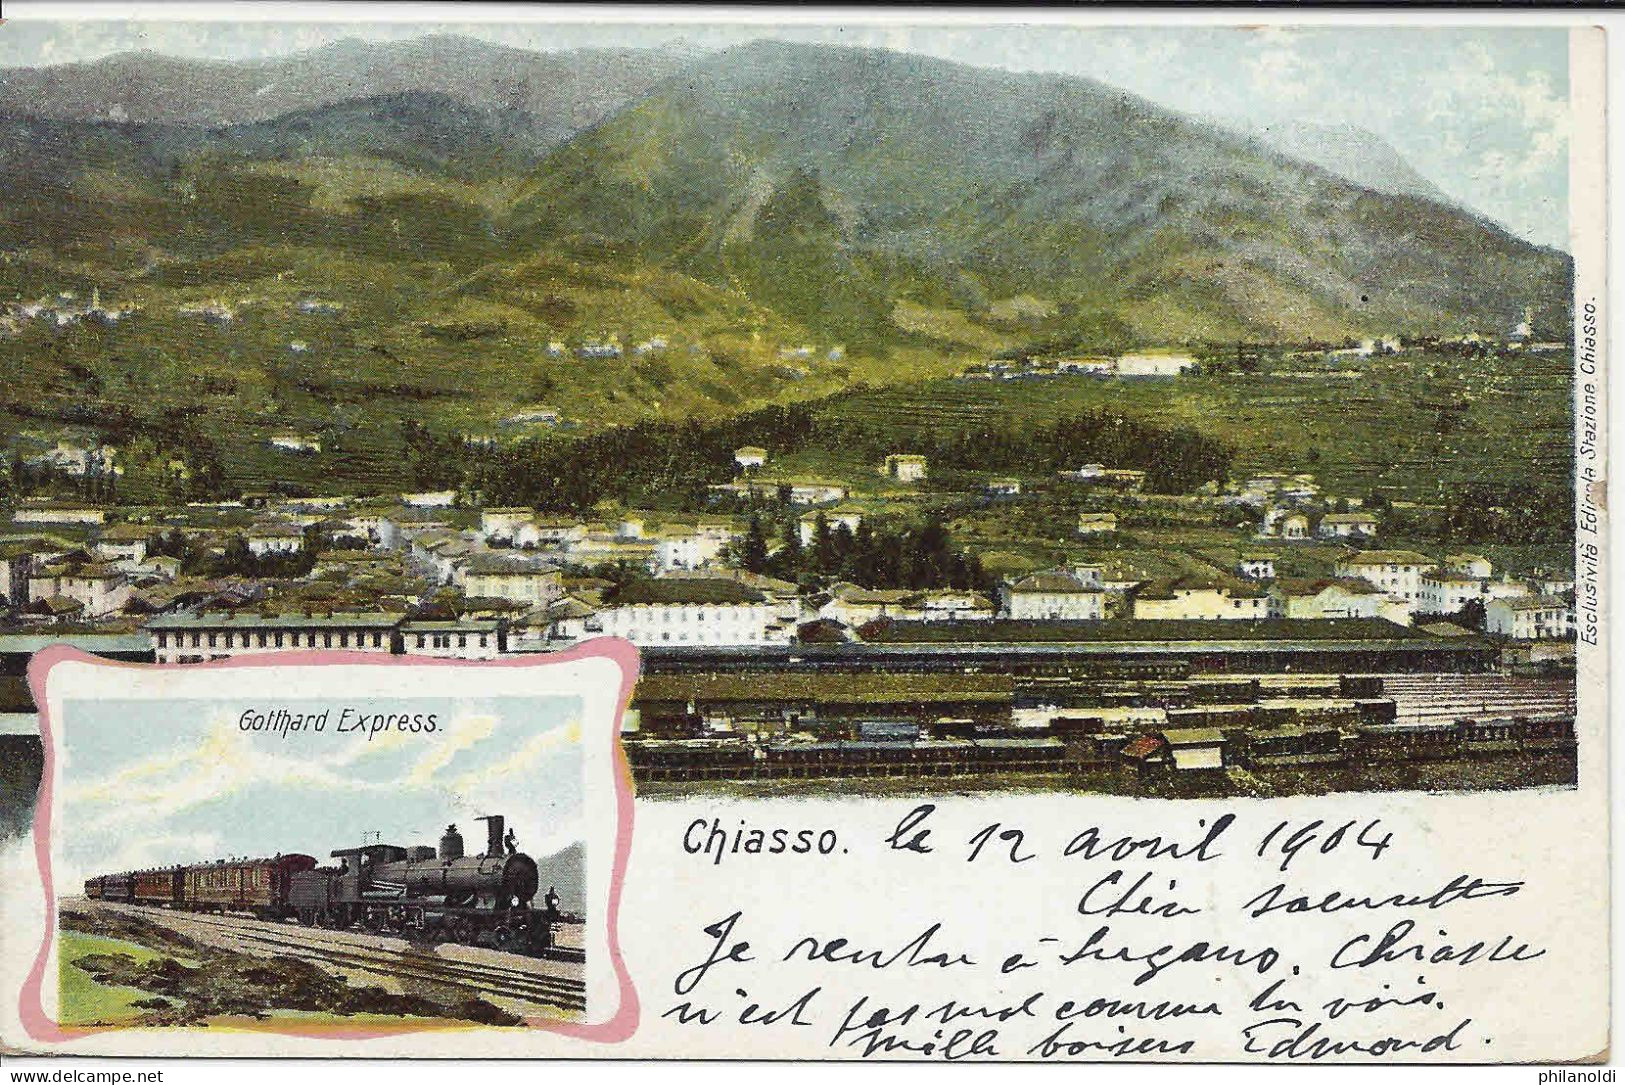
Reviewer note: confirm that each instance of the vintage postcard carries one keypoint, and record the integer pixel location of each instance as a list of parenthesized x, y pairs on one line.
[(1032, 536)]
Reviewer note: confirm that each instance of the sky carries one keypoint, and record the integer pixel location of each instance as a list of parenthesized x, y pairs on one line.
[(1480, 111), (196, 787)]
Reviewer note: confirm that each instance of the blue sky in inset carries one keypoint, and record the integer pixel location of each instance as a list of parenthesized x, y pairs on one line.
[(148, 783), (1479, 111)]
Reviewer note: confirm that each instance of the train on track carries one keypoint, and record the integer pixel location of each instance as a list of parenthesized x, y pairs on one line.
[(432, 894)]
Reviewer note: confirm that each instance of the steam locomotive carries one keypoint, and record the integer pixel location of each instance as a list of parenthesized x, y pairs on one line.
[(430, 894)]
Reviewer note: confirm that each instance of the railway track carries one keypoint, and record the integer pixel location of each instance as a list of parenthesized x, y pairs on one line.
[(1420, 697), (406, 963)]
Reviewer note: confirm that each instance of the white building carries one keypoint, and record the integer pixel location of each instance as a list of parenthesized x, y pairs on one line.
[(1343, 525), (807, 525), (954, 605), (463, 638), (1257, 566), (81, 460), (1055, 595), (1154, 364), (504, 524), (750, 456), (511, 577), (265, 539), (1445, 592), (674, 612), (1187, 599), (550, 532), (1532, 617), (50, 512), (194, 637), (854, 606), (904, 467), (301, 443), (1325, 598), (430, 499), (1473, 565), (123, 542), (679, 547), (98, 589), (1398, 572)]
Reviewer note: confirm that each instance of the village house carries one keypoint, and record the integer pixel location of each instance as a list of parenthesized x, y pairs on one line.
[(441, 554), (350, 563), (553, 531), (1446, 591), (1096, 523), (1154, 364), (1055, 595), (430, 499), (98, 589), (80, 460), (854, 606), (904, 467), (122, 542), (1257, 566), (198, 636), (560, 624), (800, 492), (1002, 487), (459, 638), (954, 605), (1474, 565), (504, 524), (300, 443), (1530, 617), (159, 565), (691, 611), (807, 525), (1343, 525), (514, 578), (262, 539), (1397, 572), (1547, 582), (1285, 522), (18, 559), (41, 511), (1325, 598), (612, 548), (694, 547), (1191, 598), (750, 457), (1121, 479)]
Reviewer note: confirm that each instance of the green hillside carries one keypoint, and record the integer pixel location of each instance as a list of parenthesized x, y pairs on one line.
[(958, 188), (776, 223)]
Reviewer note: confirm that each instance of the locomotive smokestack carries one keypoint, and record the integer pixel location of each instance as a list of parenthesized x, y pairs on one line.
[(494, 824)]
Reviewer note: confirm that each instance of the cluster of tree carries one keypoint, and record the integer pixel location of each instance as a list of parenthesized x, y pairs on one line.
[(889, 556), (645, 463), (237, 559), (26, 479), (433, 461), (1175, 460), (1536, 515), (675, 462)]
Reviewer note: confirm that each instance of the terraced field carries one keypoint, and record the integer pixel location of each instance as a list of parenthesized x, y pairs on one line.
[(1415, 426)]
